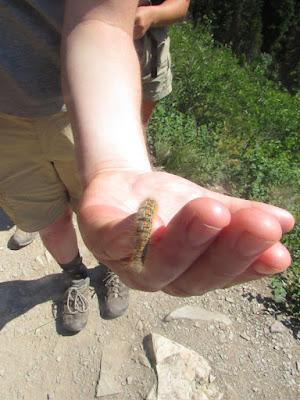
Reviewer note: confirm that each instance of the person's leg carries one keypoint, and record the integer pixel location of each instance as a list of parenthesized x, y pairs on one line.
[(147, 110), (115, 293), (60, 239), (37, 200)]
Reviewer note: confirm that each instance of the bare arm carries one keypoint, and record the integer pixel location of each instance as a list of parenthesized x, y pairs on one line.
[(167, 13), (101, 83), (204, 240)]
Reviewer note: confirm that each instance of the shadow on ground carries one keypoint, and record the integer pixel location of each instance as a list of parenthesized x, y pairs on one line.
[(276, 310), (19, 296)]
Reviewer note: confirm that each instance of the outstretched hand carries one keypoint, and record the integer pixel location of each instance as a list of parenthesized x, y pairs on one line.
[(201, 240)]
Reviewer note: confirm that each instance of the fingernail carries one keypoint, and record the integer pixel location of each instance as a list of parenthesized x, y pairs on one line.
[(262, 269), (199, 234), (250, 245)]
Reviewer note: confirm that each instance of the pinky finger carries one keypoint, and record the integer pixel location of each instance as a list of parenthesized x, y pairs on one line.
[(273, 261)]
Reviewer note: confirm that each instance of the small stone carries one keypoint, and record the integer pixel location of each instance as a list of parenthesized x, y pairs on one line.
[(245, 336), (129, 380), (298, 366), (39, 260), (1, 373), (277, 327), (140, 325), (197, 325), (266, 331), (223, 338), (58, 359), (143, 360), (229, 299), (48, 257)]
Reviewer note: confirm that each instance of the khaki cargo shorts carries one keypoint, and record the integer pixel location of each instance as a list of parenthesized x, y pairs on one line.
[(38, 178), (153, 50)]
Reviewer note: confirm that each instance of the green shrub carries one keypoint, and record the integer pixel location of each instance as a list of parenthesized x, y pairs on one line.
[(286, 287), (227, 125)]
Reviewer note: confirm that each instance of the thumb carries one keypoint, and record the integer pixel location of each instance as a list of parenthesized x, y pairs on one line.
[(107, 231)]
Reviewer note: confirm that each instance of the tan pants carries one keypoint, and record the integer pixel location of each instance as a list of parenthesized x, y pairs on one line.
[(154, 54), (38, 178)]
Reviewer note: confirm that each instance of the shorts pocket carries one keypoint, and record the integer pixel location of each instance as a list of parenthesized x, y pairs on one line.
[(160, 47)]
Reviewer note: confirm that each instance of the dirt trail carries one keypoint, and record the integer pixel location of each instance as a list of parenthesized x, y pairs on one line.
[(37, 363)]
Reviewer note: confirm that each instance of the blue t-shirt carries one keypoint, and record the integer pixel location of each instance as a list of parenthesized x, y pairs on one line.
[(30, 35)]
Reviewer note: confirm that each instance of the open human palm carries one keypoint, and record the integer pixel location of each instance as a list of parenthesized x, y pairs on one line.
[(201, 240)]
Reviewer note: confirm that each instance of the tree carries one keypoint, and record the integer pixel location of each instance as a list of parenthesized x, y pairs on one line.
[(255, 27)]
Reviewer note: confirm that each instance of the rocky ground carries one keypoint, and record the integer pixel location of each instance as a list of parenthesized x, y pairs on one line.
[(255, 356)]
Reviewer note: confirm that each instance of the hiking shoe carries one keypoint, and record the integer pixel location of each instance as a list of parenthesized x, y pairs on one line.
[(20, 239), (75, 309), (115, 296)]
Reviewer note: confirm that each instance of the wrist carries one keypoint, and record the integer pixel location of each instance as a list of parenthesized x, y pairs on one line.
[(112, 167), (153, 15)]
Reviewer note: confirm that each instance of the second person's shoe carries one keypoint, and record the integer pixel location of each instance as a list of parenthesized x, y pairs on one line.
[(21, 239), (115, 297)]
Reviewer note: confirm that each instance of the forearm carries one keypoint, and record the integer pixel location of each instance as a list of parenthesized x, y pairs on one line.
[(169, 12), (101, 83)]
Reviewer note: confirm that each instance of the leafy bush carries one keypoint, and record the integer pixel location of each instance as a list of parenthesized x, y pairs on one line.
[(227, 125), (286, 287)]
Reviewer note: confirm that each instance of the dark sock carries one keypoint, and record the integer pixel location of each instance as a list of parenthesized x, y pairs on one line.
[(75, 268)]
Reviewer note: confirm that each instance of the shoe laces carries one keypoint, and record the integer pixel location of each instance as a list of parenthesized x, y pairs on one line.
[(112, 283), (76, 301)]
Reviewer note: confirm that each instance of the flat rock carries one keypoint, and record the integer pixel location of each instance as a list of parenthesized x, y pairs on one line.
[(182, 374), (197, 313), (113, 356)]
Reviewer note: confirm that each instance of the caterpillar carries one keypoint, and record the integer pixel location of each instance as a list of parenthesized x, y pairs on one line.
[(143, 228)]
